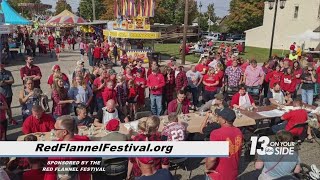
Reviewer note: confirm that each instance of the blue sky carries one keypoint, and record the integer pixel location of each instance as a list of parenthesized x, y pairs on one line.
[(221, 6)]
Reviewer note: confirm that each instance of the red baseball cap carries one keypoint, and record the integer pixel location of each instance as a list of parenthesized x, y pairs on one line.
[(146, 160), (55, 67), (112, 125)]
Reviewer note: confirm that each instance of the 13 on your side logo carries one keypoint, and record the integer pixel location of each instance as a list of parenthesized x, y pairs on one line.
[(268, 147)]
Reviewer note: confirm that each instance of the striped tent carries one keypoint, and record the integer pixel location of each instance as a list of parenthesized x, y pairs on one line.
[(65, 18)]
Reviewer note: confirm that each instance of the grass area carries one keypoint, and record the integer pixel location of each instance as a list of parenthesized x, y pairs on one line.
[(260, 54)]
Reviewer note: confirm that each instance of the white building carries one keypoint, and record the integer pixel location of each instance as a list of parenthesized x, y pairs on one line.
[(297, 17)]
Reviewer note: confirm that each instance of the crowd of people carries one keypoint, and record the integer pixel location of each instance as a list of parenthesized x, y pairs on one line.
[(103, 97)]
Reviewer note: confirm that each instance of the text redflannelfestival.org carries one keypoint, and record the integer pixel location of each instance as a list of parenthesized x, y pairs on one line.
[(102, 148)]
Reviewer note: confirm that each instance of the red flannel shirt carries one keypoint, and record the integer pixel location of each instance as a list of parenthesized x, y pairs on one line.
[(295, 117), (236, 97), (83, 175), (156, 80), (33, 125), (109, 94), (34, 70), (169, 88), (181, 80), (136, 172), (60, 109), (173, 105)]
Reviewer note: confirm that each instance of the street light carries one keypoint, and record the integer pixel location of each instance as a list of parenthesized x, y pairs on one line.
[(199, 18), (273, 3)]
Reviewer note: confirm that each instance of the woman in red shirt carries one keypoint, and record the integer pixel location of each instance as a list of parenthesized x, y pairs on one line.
[(210, 82), (128, 74), (220, 74), (274, 76), (60, 99), (288, 82)]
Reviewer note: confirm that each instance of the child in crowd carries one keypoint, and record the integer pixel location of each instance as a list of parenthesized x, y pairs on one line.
[(121, 89), (140, 83), (132, 98)]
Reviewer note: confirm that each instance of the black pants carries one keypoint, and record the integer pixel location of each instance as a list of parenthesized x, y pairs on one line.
[(209, 95)]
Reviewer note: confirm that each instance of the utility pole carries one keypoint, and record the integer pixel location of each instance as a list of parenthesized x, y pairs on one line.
[(94, 10), (183, 58)]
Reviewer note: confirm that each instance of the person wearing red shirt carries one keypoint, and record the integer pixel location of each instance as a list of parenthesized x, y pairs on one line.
[(141, 84), (38, 121), (219, 74), (51, 40), (132, 98), (109, 93), (124, 60), (181, 79), (240, 48), (210, 82), (292, 118), (56, 73), (292, 47), (202, 67), (242, 99), (288, 82), (152, 65), (128, 74), (225, 168), (31, 71), (35, 172), (65, 131), (245, 65), (139, 68), (3, 120), (98, 86), (174, 130), (318, 72), (97, 51), (179, 105), (156, 83), (274, 77)]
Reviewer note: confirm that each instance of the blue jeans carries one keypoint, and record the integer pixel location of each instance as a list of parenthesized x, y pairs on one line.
[(279, 127), (307, 96), (156, 104), (254, 90), (195, 95)]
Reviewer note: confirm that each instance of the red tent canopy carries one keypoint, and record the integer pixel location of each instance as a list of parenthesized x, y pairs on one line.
[(65, 18)]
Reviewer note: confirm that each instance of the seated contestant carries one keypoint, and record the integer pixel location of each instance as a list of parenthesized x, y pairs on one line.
[(277, 97), (39, 121), (173, 131), (106, 114), (179, 105), (82, 119), (65, 129), (242, 99), (217, 102), (225, 168), (292, 118)]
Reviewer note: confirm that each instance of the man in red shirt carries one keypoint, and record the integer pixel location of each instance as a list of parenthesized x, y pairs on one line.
[(38, 121), (156, 82), (203, 67), (225, 168), (31, 71), (98, 86), (109, 93), (179, 105), (65, 131), (97, 51), (173, 131), (292, 118)]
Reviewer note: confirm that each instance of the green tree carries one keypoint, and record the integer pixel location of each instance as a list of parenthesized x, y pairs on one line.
[(245, 14), (210, 14), (62, 5), (24, 12), (108, 12), (85, 9)]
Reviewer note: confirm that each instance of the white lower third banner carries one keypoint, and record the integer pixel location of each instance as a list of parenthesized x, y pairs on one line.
[(114, 149)]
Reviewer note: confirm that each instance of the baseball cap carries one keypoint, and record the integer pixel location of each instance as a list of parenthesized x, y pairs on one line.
[(146, 160), (227, 114), (219, 96), (55, 67), (112, 125), (80, 63)]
